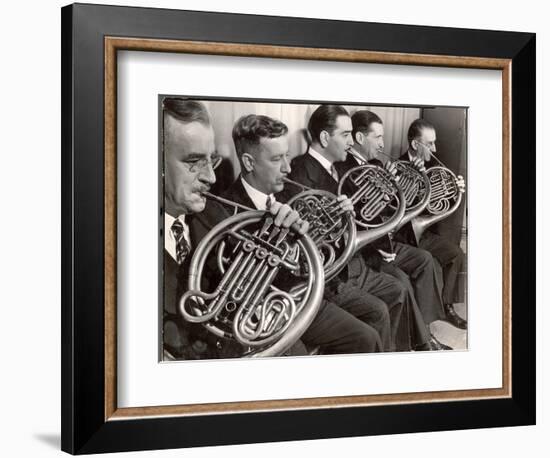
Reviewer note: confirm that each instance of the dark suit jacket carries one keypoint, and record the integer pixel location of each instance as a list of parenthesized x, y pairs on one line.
[(307, 171), (238, 194)]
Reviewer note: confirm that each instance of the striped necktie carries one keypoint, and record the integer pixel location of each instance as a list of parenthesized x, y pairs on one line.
[(182, 247)]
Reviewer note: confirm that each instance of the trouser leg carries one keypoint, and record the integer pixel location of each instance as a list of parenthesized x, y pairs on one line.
[(384, 287), (451, 258), (419, 265), (412, 331), (336, 331)]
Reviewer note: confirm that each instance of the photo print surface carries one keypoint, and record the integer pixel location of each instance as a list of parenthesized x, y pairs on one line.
[(292, 228)]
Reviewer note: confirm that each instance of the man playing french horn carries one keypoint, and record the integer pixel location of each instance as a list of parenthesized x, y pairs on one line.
[(189, 161), (414, 267), (262, 147), (421, 136), (330, 129)]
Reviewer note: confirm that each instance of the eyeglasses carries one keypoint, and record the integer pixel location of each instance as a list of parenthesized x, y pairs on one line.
[(430, 145), (199, 165)]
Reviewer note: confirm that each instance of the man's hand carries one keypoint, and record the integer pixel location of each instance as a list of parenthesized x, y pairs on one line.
[(345, 204), (285, 217), (391, 167), (387, 257), (461, 183), (418, 164)]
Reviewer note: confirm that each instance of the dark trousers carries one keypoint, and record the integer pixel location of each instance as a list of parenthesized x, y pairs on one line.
[(419, 267), (412, 330), (334, 330), (382, 297), (451, 258), (337, 331)]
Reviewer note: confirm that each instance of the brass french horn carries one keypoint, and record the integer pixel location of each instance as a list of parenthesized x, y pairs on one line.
[(251, 302), (379, 201), (414, 184), (445, 198), (332, 230)]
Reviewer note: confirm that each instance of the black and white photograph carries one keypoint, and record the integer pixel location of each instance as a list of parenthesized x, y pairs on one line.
[(311, 228), (271, 229)]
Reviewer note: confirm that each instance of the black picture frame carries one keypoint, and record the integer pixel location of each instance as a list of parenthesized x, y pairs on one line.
[(85, 428)]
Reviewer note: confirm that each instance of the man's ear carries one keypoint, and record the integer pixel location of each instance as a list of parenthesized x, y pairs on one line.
[(359, 137), (247, 162), (323, 138), (414, 145)]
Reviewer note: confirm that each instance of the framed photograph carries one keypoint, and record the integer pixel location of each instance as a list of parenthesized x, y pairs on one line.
[(270, 222)]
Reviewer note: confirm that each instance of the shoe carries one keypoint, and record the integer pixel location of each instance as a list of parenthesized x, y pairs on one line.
[(453, 318), (437, 345)]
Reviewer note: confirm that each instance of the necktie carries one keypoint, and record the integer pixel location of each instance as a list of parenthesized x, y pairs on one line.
[(182, 247), (268, 202), (333, 172)]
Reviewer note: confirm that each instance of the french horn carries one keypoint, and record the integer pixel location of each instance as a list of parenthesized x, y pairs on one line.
[(445, 198), (378, 199), (332, 230), (251, 303), (414, 184)]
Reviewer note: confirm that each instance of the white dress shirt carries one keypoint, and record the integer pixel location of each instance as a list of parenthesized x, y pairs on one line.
[(169, 238), (258, 197)]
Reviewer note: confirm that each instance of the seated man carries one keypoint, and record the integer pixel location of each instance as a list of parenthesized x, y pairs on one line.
[(421, 137), (412, 266), (189, 154), (330, 129), (262, 147)]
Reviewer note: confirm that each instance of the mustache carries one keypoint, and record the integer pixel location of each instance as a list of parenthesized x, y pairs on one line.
[(202, 189)]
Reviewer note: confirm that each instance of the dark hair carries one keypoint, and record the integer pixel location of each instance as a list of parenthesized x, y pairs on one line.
[(250, 129), (185, 110), (362, 120), (415, 129), (324, 118)]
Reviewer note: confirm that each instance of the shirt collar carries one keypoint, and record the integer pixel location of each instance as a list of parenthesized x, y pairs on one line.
[(258, 197), (325, 163), (169, 220)]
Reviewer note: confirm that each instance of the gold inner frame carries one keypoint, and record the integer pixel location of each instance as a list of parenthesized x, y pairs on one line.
[(114, 44)]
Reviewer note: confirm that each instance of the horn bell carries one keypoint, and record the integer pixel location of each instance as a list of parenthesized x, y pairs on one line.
[(251, 302)]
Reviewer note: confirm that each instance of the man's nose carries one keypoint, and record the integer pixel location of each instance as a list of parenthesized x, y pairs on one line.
[(381, 144), (208, 175), (285, 167)]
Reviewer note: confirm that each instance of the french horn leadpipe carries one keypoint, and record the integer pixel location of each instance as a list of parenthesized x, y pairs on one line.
[(244, 304), (445, 197), (414, 184)]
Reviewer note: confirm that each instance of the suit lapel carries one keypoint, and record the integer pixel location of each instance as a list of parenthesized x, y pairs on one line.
[(201, 223), (240, 195), (318, 176)]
